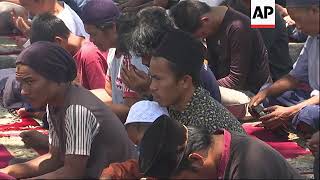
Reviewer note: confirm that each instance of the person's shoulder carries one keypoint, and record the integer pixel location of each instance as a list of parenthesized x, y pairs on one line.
[(247, 145), (248, 152), (237, 20), (89, 51), (313, 39), (203, 98), (69, 15), (87, 98)]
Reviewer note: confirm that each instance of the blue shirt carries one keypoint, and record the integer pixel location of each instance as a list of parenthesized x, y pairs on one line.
[(209, 82), (306, 68)]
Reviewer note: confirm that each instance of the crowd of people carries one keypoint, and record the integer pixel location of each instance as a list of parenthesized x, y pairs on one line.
[(141, 88)]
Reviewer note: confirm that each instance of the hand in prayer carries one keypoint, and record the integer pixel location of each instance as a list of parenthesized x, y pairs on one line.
[(135, 79), (21, 23), (277, 116), (289, 21)]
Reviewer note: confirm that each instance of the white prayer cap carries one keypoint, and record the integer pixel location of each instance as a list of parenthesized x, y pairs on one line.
[(145, 112)]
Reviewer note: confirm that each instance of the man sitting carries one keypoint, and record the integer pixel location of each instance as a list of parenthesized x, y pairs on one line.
[(91, 62), (84, 134), (236, 52), (275, 39), (194, 153), (106, 27), (295, 97), (152, 23), (175, 71), (59, 9), (141, 116)]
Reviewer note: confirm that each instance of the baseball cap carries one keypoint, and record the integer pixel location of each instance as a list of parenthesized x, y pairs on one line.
[(162, 148), (99, 11), (144, 112)]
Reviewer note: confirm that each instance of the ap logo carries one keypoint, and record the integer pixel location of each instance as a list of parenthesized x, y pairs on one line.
[(262, 13)]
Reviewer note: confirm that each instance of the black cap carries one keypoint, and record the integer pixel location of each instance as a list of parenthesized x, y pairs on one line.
[(162, 148), (183, 50)]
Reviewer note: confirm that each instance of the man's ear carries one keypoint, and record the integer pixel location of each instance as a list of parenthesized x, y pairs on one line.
[(204, 19), (58, 40), (186, 81), (197, 160)]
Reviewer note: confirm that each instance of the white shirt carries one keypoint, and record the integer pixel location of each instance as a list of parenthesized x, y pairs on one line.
[(72, 21), (119, 89)]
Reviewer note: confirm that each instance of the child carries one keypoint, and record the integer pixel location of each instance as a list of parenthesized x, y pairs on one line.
[(141, 115)]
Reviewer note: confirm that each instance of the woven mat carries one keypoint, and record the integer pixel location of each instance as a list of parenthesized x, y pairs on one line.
[(12, 149), (8, 46)]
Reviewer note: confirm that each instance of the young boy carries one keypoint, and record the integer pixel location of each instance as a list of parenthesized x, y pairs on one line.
[(141, 116)]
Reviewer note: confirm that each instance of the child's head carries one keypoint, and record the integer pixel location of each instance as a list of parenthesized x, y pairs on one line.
[(141, 115)]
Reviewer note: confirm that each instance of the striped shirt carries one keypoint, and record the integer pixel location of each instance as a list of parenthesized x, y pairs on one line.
[(81, 127), (85, 126)]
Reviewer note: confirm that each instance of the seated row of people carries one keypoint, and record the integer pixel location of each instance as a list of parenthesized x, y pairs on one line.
[(175, 61), (123, 82)]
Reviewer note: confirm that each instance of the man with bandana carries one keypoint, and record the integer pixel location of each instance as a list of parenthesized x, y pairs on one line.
[(84, 135)]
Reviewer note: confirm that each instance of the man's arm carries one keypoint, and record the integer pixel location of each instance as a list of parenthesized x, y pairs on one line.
[(315, 100), (240, 50), (102, 95), (74, 167), (38, 166), (286, 83)]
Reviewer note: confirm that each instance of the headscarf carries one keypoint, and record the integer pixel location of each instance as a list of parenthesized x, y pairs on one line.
[(49, 60)]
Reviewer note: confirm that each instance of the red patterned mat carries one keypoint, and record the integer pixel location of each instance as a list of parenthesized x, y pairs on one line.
[(288, 148), (11, 146)]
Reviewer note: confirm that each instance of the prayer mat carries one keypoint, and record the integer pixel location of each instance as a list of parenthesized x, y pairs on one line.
[(12, 148), (283, 144), (5, 156), (291, 147), (8, 45)]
